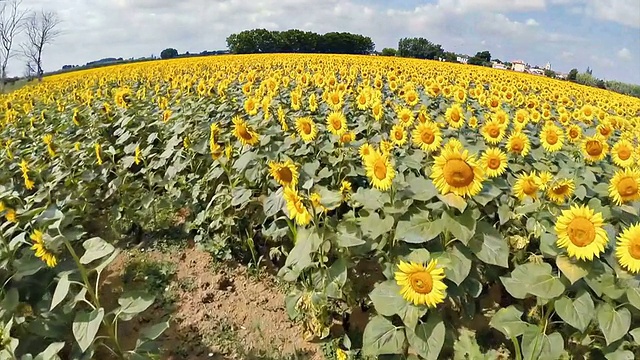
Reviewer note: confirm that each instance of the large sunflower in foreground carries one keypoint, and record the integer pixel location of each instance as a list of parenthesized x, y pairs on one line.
[(457, 172), (284, 173), (41, 250), (426, 136), (560, 190), (494, 162), (421, 285), (243, 132), (379, 170), (624, 187), (622, 153), (594, 148), (580, 232), (306, 128), (527, 185), (628, 249)]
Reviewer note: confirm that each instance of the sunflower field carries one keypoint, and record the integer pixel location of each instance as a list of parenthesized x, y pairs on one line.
[(469, 213)]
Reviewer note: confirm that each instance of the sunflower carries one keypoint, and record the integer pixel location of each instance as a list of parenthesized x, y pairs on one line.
[(628, 249), (493, 132), (377, 111), (457, 172), (306, 128), (316, 202), (347, 137), (551, 138), (560, 190), (11, 216), (421, 285), (337, 123), (243, 132), (622, 153), (386, 146), (545, 178), (398, 135), (594, 148), (624, 187), (427, 136), (455, 116), (365, 150), (411, 98), (574, 133), (251, 106), (521, 119), (518, 143), (453, 145), (313, 103), (41, 250), (295, 206), (473, 122), (527, 185), (494, 162), (580, 231), (379, 170), (405, 117), (284, 173), (345, 189)]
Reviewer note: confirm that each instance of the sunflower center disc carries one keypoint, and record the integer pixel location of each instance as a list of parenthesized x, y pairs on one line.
[(517, 146), (421, 282), (458, 173), (560, 190), (624, 153), (634, 249), (336, 123), (529, 187), (594, 148), (552, 138), (380, 169), (244, 133), (306, 128), (494, 163), (494, 132), (455, 116), (627, 186), (427, 137), (581, 232), (285, 175), (398, 134), (573, 133)]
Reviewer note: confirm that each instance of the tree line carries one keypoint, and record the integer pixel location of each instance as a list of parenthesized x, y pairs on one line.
[(298, 41)]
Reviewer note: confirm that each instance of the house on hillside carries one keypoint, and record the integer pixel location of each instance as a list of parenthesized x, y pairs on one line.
[(463, 59), (497, 65), (519, 65)]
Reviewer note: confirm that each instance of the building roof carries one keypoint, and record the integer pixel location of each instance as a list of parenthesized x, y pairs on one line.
[(518, 62)]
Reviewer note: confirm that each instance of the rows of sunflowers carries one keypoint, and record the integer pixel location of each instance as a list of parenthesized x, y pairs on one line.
[(432, 196)]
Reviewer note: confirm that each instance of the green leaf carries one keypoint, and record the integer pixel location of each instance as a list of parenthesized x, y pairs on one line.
[(95, 248), (454, 201), (459, 263), (151, 333), (349, 235), (620, 354), (537, 345), (534, 279), (307, 242), (420, 189), (633, 295), (577, 313), (602, 280), (371, 199), (381, 337), (504, 213), (508, 321), (387, 299), (613, 323), (240, 196), (85, 327), (62, 289), (329, 199), (574, 270), (418, 229), (243, 161), (274, 203), (373, 226), (133, 303), (336, 278), (489, 245), (410, 315), (51, 352), (548, 245), (428, 338), (461, 227), (635, 333)]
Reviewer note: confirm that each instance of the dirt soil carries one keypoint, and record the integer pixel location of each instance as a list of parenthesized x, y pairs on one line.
[(220, 312)]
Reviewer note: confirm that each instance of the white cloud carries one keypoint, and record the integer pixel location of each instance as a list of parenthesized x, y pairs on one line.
[(624, 54), (626, 12), (532, 22)]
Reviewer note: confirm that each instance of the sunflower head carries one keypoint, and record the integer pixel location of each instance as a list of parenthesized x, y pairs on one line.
[(624, 187), (284, 173), (494, 162), (628, 249), (527, 186), (427, 136), (306, 128), (456, 171), (580, 232), (379, 170), (560, 190), (421, 285)]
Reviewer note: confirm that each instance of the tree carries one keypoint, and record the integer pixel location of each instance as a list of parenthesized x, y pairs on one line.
[(550, 73), (450, 57), (573, 74), (41, 29), (419, 48), (11, 23), (476, 61), (484, 55), (169, 53), (389, 52)]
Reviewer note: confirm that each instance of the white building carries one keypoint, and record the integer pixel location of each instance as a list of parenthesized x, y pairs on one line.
[(497, 65), (463, 59), (548, 66), (519, 65)]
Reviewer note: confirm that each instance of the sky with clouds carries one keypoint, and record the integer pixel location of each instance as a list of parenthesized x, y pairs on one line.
[(601, 34)]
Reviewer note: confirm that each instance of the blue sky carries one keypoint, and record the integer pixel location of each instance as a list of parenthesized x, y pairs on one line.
[(601, 34)]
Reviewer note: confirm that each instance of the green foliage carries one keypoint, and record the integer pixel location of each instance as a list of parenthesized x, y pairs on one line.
[(169, 53), (419, 48), (573, 75), (264, 41), (389, 52)]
